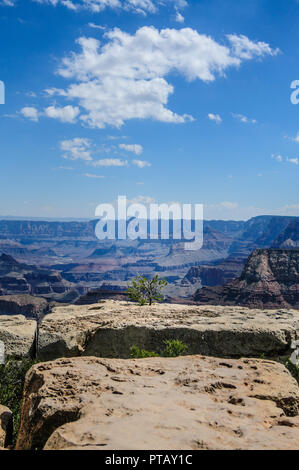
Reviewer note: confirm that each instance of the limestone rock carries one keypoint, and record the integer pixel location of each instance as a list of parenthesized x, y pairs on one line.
[(6, 426), (110, 328), (191, 402), (18, 335)]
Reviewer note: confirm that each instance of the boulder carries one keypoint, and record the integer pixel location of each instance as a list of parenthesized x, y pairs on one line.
[(191, 402), (110, 328), (18, 335), (6, 426), (27, 305)]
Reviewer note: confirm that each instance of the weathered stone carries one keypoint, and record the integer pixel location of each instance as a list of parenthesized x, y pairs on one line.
[(110, 328), (6, 426), (182, 403), (27, 305), (18, 335)]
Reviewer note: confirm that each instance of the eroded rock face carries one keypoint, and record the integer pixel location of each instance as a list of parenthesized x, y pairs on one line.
[(6, 426), (18, 335), (27, 305), (159, 403), (270, 279), (110, 328)]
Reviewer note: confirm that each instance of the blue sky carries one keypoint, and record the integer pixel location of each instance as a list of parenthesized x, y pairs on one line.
[(178, 100)]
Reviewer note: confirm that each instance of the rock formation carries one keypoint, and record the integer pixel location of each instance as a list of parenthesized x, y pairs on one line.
[(20, 278), (270, 279), (18, 335), (6, 426), (27, 305), (182, 403), (289, 238), (110, 328)]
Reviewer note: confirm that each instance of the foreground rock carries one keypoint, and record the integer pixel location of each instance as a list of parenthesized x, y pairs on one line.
[(110, 328), (27, 305), (183, 403), (6, 426), (18, 335), (270, 279)]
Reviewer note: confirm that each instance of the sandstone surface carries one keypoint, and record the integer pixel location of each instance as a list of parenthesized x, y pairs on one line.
[(159, 403), (110, 328), (18, 335)]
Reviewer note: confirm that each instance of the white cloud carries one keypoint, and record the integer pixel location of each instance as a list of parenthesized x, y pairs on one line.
[(244, 119), (64, 114), (293, 160), (134, 148), (296, 139), (91, 175), (277, 157), (96, 26), (30, 113), (136, 6), (215, 117), (8, 3), (76, 149), (247, 49), (179, 17), (110, 162), (124, 78), (141, 163)]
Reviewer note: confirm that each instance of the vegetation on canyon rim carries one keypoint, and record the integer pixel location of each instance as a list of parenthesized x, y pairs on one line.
[(12, 379), (173, 348), (146, 291)]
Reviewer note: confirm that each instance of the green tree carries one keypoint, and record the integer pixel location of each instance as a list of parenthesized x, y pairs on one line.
[(146, 291)]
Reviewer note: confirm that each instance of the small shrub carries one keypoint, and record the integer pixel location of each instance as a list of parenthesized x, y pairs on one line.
[(137, 353), (12, 378), (146, 291), (174, 348)]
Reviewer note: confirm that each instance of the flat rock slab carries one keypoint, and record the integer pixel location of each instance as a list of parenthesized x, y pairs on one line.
[(110, 328), (190, 402), (18, 335)]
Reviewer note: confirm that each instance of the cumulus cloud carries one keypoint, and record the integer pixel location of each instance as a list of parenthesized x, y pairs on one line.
[(141, 163), (30, 113), (134, 148), (76, 149), (215, 117), (244, 119), (64, 114), (125, 78)]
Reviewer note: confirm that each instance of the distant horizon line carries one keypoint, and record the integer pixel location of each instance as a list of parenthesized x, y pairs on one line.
[(9, 218)]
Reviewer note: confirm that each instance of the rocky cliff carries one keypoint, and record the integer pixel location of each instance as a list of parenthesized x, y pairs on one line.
[(20, 278), (270, 279)]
